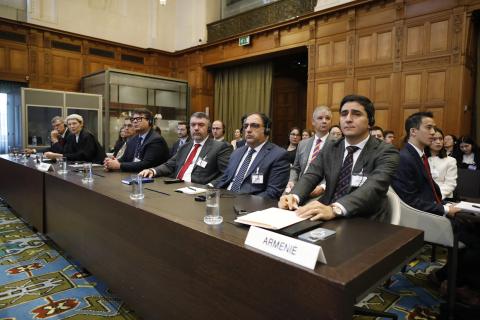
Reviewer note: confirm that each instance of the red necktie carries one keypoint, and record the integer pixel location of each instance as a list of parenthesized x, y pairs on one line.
[(429, 174), (188, 162)]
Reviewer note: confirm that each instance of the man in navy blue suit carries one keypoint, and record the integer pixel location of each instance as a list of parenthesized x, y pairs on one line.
[(260, 167), (413, 181)]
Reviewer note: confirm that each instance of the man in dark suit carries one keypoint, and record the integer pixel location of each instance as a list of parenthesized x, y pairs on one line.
[(260, 167), (357, 170), (413, 181), (183, 134), (202, 160), (309, 149), (145, 150), (59, 134)]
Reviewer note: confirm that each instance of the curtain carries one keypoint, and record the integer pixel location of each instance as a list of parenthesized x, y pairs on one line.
[(241, 90)]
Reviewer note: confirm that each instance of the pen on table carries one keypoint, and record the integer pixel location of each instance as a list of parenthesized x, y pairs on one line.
[(475, 206), (167, 194), (192, 188)]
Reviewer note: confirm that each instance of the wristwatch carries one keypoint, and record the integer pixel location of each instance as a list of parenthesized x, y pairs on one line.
[(337, 210)]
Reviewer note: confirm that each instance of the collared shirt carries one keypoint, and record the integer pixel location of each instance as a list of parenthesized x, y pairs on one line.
[(420, 154), (182, 141), (187, 176), (324, 139), (76, 137), (254, 155), (220, 139)]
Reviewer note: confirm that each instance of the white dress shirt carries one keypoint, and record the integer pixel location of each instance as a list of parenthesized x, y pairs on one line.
[(187, 176), (254, 155)]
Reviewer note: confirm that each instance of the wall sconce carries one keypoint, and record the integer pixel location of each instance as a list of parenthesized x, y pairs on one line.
[(163, 2)]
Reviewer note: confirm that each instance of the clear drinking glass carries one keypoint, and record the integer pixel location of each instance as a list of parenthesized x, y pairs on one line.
[(62, 163), (137, 188), (87, 173), (212, 215)]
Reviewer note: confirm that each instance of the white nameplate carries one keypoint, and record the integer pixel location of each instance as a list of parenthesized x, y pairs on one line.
[(293, 250), (44, 167)]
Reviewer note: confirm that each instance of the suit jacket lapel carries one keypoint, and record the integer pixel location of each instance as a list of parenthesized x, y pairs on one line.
[(263, 152), (363, 158), (203, 152), (337, 161), (418, 160)]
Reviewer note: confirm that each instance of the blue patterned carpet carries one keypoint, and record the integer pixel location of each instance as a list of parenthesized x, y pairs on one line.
[(37, 282)]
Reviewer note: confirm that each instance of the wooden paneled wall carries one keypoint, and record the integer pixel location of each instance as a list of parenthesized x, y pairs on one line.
[(52, 59), (406, 55)]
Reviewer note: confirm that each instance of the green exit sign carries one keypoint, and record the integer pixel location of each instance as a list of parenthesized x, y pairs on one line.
[(244, 41)]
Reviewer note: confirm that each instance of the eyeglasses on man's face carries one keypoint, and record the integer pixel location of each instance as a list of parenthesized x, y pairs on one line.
[(137, 119), (252, 125)]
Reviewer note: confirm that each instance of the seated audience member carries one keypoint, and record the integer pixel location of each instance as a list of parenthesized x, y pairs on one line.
[(126, 132), (218, 130), (357, 169), (80, 145), (389, 136), (309, 149), (294, 138), (183, 133), (469, 156), (146, 149), (260, 167), (237, 136), (335, 132), (414, 185), (442, 167), (413, 181), (202, 160), (377, 132), (306, 134), (450, 143)]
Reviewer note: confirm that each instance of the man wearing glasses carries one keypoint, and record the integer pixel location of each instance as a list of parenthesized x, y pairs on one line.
[(145, 150), (260, 167), (201, 160)]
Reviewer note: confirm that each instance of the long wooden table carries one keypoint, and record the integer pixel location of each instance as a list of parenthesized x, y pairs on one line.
[(164, 262), (22, 187)]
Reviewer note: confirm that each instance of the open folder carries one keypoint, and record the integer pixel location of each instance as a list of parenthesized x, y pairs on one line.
[(272, 218), (469, 206)]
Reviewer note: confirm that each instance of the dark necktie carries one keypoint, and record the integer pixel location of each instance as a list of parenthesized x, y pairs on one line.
[(138, 147), (430, 179), (188, 162), (316, 149), (345, 176), (237, 181)]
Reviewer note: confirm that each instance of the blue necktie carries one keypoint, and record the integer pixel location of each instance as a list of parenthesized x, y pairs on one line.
[(345, 174), (138, 147), (237, 181)]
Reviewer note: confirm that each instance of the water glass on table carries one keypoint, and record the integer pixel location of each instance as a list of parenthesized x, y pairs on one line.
[(62, 164), (87, 173), (212, 215), (137, 188)]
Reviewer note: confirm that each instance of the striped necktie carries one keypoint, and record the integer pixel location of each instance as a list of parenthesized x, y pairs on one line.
[(343, 182), (138, 147), (316, 149), (237, 181)]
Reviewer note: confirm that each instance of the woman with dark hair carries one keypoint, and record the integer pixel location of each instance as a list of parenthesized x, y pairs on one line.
[(294, 140), (442, 167), (450, 144), (335, 132), (468, 157), (306, 134)]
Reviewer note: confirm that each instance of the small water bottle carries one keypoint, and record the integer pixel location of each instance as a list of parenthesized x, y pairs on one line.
[(34, 141)]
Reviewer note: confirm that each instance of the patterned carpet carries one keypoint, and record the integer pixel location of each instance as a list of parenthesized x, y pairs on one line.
[(37, 282)]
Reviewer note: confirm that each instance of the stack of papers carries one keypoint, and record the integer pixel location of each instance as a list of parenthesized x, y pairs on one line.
[(272, 218), (191, 190), (469, 206)]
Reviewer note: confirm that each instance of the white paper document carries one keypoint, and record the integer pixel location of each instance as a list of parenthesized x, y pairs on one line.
[(469, 206), (191, 190), (272, 218), (80, 165)]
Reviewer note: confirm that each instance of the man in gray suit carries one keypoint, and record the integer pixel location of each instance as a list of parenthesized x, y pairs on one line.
[(357, 169), (309, 149), (202, 160)]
